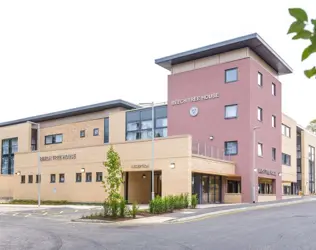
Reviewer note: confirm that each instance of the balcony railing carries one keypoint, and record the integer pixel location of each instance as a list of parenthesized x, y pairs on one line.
[(207, 150)]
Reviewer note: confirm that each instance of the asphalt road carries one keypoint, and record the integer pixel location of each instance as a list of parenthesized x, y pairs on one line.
[(286, 227)]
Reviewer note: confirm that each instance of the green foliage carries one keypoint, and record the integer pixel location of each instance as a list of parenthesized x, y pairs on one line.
[(134, 210), (112, 183), (312, 126), (123, 208), (194, 201), (299, 28), (168, 204)]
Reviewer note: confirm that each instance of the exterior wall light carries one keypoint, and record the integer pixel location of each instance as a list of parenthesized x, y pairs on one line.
[(172, 165), (280, 174), (255, 170), (18, 173), (144, 176), (211, 138), (82, 170)]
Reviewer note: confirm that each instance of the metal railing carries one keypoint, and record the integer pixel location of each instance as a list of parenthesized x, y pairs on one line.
[(207, 150)]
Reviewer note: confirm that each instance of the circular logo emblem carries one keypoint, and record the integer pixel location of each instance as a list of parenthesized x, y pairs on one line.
[(194, 111)]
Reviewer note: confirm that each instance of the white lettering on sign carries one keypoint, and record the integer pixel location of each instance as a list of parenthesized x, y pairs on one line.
[(195, 99)]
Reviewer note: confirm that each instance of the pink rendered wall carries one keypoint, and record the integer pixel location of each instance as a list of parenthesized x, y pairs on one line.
[(211, 119)]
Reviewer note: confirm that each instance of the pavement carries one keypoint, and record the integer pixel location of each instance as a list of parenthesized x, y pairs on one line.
[(289, 227)]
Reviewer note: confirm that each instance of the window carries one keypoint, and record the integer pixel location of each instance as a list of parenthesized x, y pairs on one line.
[(82, 133), (273, 121), (273, 154), (22, 178), (260, 82), (61, 178), (99, 177), (231, 75), (259, 115), (139, 123), (9, 148), (88, 177), (286, 159), (231, 111), (52, 178), (233, 187), (286, 131), (53, 139), (95, 132), (38, 178), (30, 179), (106, 130), (78, 177), (231, 148), (273, 89), (260, 149)]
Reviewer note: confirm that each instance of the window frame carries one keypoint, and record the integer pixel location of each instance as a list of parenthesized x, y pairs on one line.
[(82, 133), (273, 89), (51, 179), (231, 69), (273, 154), (88, 174), (30, 179), (23, 179), (285, 127), (54, 139), (8, 155), (96, 132), (260, 145), (285, 156), (60, 175), (38, 178), (273, 122), (261, 114), (77, 180), (231, 117), (260, 83), (97, 175), (225, 147), (106, 136)]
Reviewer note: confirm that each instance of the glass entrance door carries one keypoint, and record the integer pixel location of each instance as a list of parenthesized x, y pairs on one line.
[(215, 191)]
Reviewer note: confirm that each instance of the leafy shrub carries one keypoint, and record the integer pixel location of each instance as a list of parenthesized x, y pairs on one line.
[(122, 208), (194, 201), (114, 206), (186, 200), (134, 210)]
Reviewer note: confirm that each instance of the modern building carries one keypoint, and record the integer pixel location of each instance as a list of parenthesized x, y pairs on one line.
[(218, 136)]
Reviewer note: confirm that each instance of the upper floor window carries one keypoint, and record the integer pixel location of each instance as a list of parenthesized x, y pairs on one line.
[(139, 123), (106, 130), (38, 178), (260, 79), (260, 149), (82, 133), (95, 132), (78, 177), (273, 89), (286, 159), (286, 130), (88, 177), (61, 178), (273, 121), (99, 177), (273, 154), (311, 153), (259, 114), (22, 178), (30, 179), (231, 75), (53, 139), (231, 111), (231, 148)]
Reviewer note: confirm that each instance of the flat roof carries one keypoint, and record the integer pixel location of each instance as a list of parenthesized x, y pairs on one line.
[(253, 41), (73, 112)]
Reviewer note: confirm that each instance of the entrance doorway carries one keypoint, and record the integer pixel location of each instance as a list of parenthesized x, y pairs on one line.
[(207, 187)]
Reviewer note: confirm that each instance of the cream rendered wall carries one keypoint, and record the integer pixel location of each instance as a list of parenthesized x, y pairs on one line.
[(222, 58), (289, 173)]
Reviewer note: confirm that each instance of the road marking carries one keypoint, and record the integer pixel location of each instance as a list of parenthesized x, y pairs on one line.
[(76, 211), (15, 214), (61, 212), (27, 215), (45, 213)]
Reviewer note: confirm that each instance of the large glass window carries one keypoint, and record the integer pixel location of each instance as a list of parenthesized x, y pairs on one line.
[(311, 163), (233, 186), (231, 75), (106, 130), (231, 147), (231, 111), (139, 123), (286, 131), (9, 147), (286, 159)]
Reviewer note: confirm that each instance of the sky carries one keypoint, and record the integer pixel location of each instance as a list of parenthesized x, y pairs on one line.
[(62, 54)]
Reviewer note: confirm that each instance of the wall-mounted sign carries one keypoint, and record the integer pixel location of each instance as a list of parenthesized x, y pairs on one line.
[(195, 99), (58, 157), (140, 166), (266, 171), (194, 111)]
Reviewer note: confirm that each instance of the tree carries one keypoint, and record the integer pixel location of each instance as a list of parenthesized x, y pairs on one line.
[(113, 181), (301, 30), (312, 126)]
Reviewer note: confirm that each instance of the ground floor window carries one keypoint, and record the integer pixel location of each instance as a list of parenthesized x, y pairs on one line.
[(265, 187), (287, 190), (233, 186), (208, 188)]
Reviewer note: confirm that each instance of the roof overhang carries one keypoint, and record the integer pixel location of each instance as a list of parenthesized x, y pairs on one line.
[(253, 41), (73, 112)]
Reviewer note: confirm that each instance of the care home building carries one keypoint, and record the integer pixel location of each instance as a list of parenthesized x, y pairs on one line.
[(221, 135)]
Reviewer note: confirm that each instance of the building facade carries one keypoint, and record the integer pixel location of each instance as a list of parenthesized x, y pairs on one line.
[(221, 135)]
